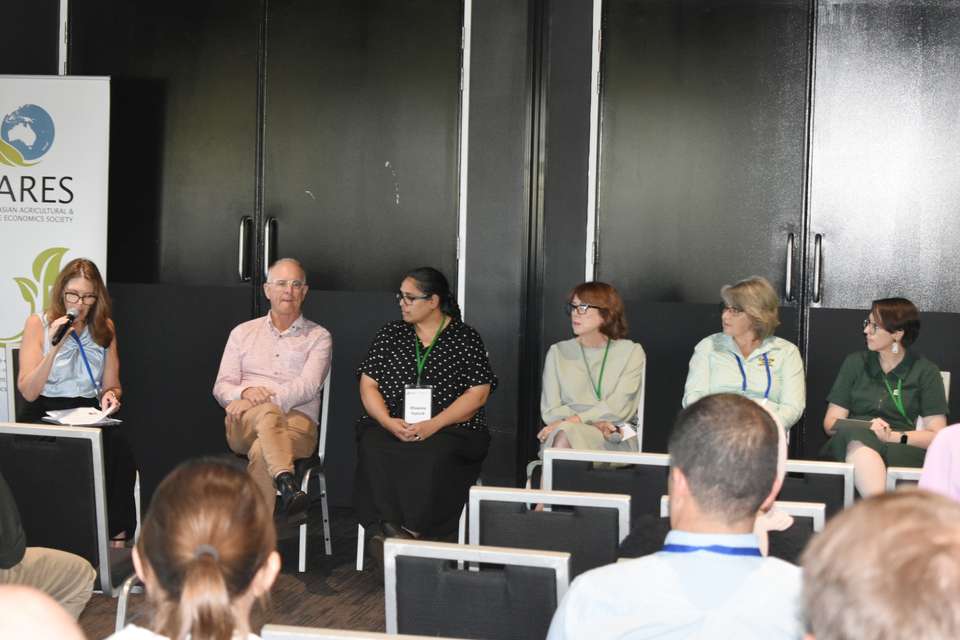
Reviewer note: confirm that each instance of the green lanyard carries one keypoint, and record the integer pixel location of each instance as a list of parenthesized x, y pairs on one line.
[(897, 397), (598, 385), (422, 361)]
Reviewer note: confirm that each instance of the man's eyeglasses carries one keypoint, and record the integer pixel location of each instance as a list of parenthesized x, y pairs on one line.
[(873, 326), (296, 285), (581, 308), (73, 298), (406, 298), (735, 311)]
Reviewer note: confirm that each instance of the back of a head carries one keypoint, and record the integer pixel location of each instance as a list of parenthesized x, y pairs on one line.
[(888, 567), (726, 447), (26, 612), (206, 535)]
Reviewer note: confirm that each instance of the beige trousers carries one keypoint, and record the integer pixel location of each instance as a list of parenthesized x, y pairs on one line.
[(271, 440), (65, 577)]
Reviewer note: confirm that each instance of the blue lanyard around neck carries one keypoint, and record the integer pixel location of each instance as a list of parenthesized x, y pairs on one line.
[(743, 374), (713, 548), (83, 354)]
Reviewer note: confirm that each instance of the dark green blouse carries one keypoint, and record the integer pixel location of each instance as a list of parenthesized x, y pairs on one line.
[(859, 388)]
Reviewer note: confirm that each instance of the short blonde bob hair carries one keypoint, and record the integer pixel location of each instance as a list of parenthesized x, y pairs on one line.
[(757, 298)]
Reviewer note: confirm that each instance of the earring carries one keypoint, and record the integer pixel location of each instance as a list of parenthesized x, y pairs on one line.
[(895, 348)]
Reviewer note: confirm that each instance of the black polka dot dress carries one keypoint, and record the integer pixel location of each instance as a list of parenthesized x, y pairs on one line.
[(421, 485)]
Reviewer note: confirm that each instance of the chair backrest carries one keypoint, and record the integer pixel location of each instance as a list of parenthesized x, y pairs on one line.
[(425, 592), (13, 400), (287, 632), (945, 375), (590, 528), (56, 475), (815, 511), (830, 483), (906, 475), (324, 414), (642, 476)]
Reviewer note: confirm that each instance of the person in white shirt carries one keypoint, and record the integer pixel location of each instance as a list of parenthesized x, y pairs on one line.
[(206, 553), (710, 579), (888, 567)]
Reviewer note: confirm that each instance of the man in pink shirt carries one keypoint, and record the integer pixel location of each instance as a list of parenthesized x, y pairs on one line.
[(269, 383)]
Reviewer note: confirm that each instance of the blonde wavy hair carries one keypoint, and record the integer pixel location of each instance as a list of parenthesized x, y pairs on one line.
[(756, 297)]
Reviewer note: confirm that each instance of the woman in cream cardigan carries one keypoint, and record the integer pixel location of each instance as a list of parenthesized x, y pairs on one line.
[(592, 382)]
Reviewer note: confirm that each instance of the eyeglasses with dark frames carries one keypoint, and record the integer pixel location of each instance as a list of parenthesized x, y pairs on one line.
[(408, 299), (581, 308), (873, 326), (735, 311), (73, 297)]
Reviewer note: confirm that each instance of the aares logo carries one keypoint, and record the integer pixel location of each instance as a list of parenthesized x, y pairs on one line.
[(26, 134)]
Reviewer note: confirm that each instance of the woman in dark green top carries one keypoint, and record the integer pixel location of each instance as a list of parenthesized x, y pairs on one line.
[(891, 388)]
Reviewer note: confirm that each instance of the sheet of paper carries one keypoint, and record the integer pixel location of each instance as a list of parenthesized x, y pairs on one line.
[(627, 432), (81, 417)]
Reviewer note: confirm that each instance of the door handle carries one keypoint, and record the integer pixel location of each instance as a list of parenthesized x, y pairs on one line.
[(243, 256), (267, 245), (788, 276), (817, 266)]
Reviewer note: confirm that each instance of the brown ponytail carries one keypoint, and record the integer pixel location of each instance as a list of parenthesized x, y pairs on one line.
[(207, 534)]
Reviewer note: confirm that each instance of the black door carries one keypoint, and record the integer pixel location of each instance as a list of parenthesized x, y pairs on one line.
[(884, 181), (703, 120)]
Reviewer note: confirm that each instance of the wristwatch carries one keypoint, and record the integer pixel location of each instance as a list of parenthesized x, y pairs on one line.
[(903, 438)]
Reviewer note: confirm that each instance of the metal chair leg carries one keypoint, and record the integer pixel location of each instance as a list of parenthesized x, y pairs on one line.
[(361, 534)]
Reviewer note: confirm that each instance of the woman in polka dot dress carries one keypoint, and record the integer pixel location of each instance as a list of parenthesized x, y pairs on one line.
[(413, 477)]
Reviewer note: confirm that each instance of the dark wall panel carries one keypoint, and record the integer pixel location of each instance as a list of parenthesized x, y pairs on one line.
[(31, 36), (497, 211), (361, 137)]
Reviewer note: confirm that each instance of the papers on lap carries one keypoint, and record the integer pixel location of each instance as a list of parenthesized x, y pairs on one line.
[(81, 417)]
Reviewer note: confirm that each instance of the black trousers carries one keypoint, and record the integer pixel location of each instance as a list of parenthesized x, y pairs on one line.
[(420, 485), (120, 468)]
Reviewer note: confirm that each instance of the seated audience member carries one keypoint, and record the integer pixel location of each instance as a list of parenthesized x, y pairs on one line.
[(26, 612), (592, 382), (413, 477), (710, 579), (889, 387), (746, 358), (269, 383), (941, 468), (81, 370), (66, 577), (206, 553), (888, 567)]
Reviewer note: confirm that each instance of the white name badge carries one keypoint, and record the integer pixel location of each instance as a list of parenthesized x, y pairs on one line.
[(417, 403)]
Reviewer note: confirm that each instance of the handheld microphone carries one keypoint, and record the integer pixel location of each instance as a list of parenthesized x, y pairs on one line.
[(62, 331)]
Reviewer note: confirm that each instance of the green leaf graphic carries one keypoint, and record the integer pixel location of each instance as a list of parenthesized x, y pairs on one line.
[(29, 292), (10, 156), (46, 267)]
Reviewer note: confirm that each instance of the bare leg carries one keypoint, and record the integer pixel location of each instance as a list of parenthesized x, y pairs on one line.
[(561, 441), (869, 471)]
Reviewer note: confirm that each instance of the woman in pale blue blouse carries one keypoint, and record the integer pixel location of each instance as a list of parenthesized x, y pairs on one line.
[(746, 357)]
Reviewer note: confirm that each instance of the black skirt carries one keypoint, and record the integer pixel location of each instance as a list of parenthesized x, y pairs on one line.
[(419, 485), (120, 469)]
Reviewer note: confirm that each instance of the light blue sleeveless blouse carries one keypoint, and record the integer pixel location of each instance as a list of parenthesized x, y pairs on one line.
[(68, 377)]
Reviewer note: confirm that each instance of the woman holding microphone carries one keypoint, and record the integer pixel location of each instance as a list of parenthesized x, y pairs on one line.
[(68, 359)]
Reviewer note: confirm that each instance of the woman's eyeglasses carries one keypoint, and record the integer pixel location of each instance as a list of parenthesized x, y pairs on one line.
[(407, 299), (73, 298), (734, 311), (581, 308)]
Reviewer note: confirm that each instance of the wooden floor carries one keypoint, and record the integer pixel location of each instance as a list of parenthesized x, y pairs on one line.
[(331, 593)]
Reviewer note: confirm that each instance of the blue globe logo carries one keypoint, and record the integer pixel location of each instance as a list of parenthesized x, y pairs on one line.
[(26, 134)]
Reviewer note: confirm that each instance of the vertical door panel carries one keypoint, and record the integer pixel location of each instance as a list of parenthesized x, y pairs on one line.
[(183, 126), (362, 117), (884, 180), (703, 111)]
